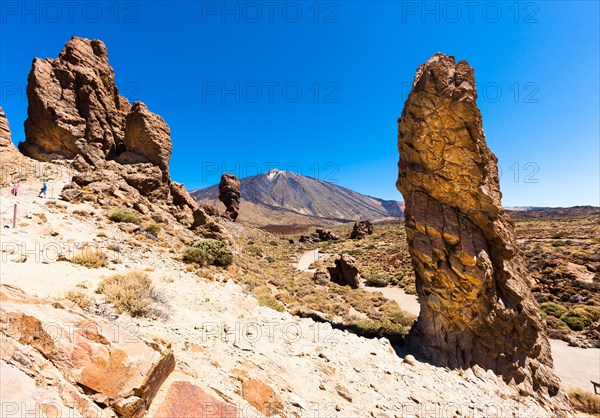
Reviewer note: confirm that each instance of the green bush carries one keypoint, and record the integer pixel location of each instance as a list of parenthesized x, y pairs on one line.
[(581, 317), (208, 251), (553, 309), (123, 215), (377, 280), (195, 255), (573, 321)]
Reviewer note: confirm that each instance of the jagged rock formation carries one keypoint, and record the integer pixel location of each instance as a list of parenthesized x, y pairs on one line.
[(361, 229), (346, 272), (5, 136), (319, 235), (343, 271), (74, 105), (229, 194), (122, 150), (473, 288)]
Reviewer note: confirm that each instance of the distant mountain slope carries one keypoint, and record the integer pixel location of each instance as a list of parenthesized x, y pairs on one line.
[(290, 194)]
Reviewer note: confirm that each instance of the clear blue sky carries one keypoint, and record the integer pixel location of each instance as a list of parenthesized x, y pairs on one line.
[(536, 63)]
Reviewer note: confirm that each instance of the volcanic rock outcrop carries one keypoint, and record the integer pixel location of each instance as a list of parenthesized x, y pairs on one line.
[(229, 194), (343, 271), (76, 112), (319, 235), (51, 352), (361, 229), (473, 287), (5, 136)]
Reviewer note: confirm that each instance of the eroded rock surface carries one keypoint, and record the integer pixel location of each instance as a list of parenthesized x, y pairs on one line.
[(5, 136), (62, 357), (74, 105), (118, 150), (473, 288), (361, 229), (229, 194)]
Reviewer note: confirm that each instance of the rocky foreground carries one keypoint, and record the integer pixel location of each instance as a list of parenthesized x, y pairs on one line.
[(231, 356)]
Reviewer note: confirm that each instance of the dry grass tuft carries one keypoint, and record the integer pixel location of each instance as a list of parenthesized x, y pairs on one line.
[(131, 292), (90, 257), (79, 298), (584, 401)]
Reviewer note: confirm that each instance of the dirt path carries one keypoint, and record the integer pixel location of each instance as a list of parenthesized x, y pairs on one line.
[(306, 259), (576, 366), (408, 303)]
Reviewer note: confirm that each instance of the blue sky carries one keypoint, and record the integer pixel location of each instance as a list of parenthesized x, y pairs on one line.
[(317, 87)]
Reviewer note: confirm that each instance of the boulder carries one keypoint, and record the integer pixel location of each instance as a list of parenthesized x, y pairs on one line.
[(71, 192), (182, 396), (342, 270), (229, 194), (472, 284), (319, 235), (321, 277), (347, 272), (361, 229)]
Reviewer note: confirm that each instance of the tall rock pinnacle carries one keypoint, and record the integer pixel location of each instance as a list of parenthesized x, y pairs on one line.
[(229, 194), (473, 287)]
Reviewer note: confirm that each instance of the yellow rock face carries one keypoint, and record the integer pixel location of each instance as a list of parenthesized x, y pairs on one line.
[(476, 307)]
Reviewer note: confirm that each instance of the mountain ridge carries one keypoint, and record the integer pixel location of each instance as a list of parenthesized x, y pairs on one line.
[(285, 191)]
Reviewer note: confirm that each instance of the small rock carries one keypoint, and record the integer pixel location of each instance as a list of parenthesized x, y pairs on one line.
[(410, 360)]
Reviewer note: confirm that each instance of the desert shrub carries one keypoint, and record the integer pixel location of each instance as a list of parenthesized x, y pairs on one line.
[(553, 309), (584, 401), (254, 250), (376, 329), (123, 215), (265, 298), (152, 228), (270, 259), (208, 251), (79, 298), (377, 280), (90, 257), (559, 243), (574, 321), (157, 217), (581, 317), (559, 235), (131, 292)]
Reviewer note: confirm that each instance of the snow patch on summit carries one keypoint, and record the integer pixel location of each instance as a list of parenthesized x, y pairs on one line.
[(272, 173)]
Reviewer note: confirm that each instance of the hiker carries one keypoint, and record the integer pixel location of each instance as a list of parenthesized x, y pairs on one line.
[(43, 191), (14, 188)]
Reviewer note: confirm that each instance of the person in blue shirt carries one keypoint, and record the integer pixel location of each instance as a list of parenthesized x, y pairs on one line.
[(44, 190)]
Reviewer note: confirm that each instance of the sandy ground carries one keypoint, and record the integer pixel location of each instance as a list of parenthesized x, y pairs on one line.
[(306, 259), (575, 366)]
